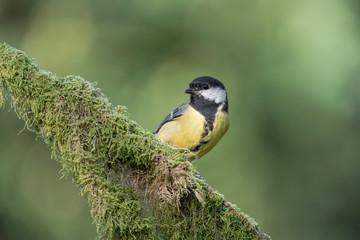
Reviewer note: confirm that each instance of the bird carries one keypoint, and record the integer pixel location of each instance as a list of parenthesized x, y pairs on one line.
[(199, 123)]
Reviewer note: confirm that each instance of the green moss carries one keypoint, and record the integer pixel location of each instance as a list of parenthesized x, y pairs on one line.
[(1, 98), (137, 186)]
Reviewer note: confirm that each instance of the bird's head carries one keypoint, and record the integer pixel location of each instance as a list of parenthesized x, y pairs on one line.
[(209, 89)]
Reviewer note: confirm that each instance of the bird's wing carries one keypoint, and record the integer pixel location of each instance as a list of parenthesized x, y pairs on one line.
[(178, 112)]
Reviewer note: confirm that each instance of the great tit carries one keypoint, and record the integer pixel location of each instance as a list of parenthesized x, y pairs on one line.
[(198, 124)]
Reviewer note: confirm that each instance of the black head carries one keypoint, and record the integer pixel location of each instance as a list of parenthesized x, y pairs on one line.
[(207, 88), (204, 83)]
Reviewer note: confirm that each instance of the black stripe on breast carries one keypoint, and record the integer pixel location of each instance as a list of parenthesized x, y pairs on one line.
[(206, 108), (197, 147)]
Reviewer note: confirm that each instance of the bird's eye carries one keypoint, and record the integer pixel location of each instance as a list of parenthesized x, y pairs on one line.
[(206, 87)]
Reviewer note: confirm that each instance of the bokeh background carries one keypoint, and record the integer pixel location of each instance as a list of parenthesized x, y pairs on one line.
[(291, 68)]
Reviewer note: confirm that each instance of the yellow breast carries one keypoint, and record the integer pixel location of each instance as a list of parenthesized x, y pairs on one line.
[(184, 132), (221, 125), (187, 132)]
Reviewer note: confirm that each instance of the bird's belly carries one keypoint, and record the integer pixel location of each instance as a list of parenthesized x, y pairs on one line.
[(184, 132), (221, 125)]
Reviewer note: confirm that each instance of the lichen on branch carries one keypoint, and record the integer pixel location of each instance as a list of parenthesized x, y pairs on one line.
[(137, 187)]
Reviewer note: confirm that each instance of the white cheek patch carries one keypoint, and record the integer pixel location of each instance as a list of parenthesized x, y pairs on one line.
[(216, 95)]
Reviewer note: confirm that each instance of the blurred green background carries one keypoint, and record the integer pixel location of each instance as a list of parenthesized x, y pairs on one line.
[(291, 156)]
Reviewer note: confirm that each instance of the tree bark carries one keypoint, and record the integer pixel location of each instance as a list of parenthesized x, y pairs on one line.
[(137, 187)]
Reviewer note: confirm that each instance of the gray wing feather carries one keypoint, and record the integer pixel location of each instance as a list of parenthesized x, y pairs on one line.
[(178, 112)]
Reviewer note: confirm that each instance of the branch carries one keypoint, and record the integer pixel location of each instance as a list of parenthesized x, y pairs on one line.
[(137, 186)]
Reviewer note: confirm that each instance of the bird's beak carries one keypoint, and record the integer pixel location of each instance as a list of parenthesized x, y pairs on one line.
[(189, 91)]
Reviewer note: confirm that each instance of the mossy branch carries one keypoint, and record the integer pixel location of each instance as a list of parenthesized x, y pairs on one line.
[(137, 186)]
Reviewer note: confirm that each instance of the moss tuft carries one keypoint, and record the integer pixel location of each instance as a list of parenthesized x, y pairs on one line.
[(1, 98), (137, 186)]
